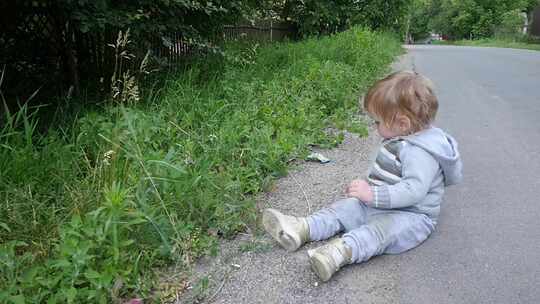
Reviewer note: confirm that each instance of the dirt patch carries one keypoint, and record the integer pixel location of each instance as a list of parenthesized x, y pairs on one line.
[(254, 269)]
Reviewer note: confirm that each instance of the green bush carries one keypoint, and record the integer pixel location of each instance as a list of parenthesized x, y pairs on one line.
[(90, 211), (511, 25), (316, 17), (474, 18)]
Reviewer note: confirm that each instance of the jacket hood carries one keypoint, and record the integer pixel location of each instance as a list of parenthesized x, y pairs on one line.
[(444, 148)]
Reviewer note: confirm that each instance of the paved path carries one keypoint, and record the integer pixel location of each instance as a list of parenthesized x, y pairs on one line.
[(487, 245)]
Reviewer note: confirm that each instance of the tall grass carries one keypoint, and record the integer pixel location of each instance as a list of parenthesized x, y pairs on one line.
[(514, 42), (89, 212)]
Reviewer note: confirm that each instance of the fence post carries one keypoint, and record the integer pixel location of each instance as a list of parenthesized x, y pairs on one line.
[(271, 29)]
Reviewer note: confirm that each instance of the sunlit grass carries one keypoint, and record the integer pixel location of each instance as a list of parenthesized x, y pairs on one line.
[(494, 42)]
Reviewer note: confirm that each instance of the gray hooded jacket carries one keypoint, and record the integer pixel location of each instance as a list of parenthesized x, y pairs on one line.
[(411, 172)]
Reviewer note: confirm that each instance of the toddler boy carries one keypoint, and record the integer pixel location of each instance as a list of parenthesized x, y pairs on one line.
[(397, 206)]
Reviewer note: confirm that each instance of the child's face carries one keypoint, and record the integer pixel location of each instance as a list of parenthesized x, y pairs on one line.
[(399, 127), (385, 131)]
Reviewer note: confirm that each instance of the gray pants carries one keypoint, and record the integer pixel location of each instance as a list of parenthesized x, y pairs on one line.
[(370, 231)]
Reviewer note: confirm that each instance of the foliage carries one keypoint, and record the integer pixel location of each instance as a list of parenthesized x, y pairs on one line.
[(61, 44), (418, 19), (92, 260), (320, 17), (472, 18), (511, 24), (192, 18), (91, 208)]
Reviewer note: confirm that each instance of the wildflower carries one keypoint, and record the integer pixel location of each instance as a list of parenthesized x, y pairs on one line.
[(107, 157)]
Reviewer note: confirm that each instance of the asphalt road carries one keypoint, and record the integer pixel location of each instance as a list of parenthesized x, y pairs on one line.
[(487, 245)]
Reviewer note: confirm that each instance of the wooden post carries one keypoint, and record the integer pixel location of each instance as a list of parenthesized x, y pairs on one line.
[(70, 59), (271, 30)]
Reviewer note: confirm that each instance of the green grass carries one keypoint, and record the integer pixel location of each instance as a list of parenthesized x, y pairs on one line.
[(495, 42), (90, 209)]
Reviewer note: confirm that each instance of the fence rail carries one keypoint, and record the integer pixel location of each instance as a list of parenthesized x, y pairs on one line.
[(269, 32)]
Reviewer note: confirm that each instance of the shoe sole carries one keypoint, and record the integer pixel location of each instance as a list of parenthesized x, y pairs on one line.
[(274, 225), (320, 265)]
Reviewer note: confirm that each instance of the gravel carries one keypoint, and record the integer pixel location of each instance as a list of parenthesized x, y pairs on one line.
[(253, 269)]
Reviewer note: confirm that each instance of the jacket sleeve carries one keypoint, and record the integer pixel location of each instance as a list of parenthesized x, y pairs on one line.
[(419, 169)]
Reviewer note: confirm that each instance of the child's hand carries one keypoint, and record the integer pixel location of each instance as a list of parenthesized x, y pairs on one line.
[(361, 190)]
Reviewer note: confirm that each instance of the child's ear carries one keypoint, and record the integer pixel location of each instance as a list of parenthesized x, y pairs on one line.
[(404, 123)]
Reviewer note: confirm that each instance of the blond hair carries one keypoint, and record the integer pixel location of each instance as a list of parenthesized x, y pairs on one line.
[(406, 93)]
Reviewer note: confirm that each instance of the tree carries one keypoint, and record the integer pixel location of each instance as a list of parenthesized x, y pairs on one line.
[(320, 16), (418, 19), (52, 40), (471, 18)]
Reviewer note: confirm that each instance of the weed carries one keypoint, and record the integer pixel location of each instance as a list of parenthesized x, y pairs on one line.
[(502, 42), (89, 211)]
